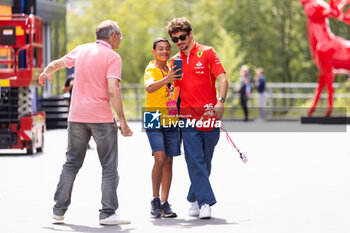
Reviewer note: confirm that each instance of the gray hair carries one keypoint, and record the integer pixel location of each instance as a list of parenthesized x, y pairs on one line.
[(244, 68), (105, 29)]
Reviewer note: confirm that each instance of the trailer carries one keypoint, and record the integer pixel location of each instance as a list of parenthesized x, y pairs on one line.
[(21, 62)]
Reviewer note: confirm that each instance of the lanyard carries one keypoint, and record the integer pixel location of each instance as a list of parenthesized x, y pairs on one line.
[(229, 139), (166, 86)]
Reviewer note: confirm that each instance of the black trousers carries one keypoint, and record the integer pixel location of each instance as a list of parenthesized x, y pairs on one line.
[(244, 100)]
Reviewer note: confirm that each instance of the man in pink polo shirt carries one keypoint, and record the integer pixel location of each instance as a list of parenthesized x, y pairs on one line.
[(96, 85)]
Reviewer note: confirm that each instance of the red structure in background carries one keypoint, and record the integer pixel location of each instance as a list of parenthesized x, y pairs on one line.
[(20, 32), (329, 52), (21, 62)]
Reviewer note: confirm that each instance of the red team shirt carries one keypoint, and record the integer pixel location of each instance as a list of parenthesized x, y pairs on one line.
[(197, 86)]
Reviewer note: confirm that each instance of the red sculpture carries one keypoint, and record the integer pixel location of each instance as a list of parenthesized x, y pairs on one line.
[(329, 52)]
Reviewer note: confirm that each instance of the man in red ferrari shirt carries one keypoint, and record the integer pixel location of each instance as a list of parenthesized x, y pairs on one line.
[(201, 67)]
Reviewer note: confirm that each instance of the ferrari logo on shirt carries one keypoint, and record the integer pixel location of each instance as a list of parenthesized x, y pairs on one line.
[(199, 54)]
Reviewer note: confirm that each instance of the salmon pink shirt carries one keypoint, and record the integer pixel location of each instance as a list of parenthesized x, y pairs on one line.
[(94, 63)]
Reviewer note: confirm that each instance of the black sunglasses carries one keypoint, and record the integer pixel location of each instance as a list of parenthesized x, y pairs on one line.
[(182, 38)]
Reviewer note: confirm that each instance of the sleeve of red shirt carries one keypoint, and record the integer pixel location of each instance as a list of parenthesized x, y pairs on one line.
[(215, 63)]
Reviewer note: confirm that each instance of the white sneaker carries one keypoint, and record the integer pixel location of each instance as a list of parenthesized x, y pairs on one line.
[(57, 218), (114, 219), (205, 212), (194, 209)]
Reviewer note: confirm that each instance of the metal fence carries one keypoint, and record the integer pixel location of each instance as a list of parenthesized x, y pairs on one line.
[(284, 101)]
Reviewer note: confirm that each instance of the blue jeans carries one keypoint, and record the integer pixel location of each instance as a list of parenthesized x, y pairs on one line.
[(79, 134), (199, 148)]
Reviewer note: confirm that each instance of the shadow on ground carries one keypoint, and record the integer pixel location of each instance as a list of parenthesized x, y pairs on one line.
[(79, 228), (188, 223)]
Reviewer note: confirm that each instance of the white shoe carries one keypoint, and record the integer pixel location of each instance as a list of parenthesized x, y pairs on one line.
[(114, 219), (194, 209), (57, 218), (205, 212)]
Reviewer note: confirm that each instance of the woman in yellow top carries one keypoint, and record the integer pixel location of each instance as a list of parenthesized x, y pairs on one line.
[(165, 141)]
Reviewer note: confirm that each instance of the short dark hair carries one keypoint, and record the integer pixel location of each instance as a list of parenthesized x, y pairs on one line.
[(179, 25), (160, 39)]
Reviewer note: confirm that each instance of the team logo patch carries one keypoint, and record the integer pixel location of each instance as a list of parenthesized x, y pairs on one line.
[(199, 54)]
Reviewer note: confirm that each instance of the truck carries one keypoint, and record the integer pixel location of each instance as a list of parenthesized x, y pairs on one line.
[(21, 62)]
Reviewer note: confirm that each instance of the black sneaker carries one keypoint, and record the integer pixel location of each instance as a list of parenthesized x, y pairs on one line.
[(167, 211), (155, 208)]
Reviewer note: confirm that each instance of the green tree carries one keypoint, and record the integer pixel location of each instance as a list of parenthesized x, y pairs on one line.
[(266, 33)]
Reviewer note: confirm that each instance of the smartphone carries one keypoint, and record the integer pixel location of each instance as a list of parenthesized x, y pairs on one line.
[(178, 64)]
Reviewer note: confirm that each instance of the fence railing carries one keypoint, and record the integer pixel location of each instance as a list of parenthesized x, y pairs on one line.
[(281, 100)]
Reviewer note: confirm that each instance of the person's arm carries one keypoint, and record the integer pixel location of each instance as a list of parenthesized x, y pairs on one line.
[(68, 86), (223, 85), (152, 87), (116, 100), (50, 69)]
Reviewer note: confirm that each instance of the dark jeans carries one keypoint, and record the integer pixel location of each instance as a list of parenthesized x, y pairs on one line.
[(79, 134), (199, 148)]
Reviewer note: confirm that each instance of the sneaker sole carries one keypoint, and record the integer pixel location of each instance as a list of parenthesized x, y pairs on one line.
[(205, 217), (173, 215), (58, 219), (156, 216), (115, 223), (194, 214)]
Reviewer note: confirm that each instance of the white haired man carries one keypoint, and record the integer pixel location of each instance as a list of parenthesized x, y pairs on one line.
[(96, 85)]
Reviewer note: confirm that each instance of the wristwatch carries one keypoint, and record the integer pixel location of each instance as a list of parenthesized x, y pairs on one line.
[(221, 99)]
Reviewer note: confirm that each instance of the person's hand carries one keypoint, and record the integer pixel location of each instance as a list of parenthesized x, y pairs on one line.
[(219, 110), (43, 77), (124, 129), (172, 76)]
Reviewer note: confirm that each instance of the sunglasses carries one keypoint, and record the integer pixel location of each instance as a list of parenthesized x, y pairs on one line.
[(182, 38)]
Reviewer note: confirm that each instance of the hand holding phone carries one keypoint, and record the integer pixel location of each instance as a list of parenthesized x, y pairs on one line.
[(178, 64)]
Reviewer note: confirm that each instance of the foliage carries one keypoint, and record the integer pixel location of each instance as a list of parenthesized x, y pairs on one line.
[(227, 47), (261, 33), (58, 50)]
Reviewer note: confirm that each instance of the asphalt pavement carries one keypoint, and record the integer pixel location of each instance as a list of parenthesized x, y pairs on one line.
[(294, 182)]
